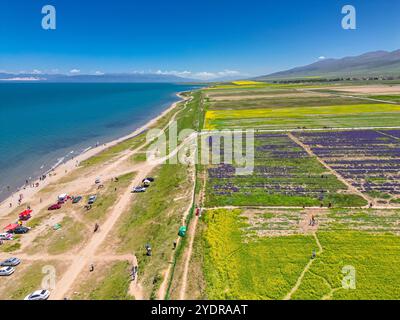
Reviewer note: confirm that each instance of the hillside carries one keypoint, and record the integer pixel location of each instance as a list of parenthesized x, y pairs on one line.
[(377, 63)]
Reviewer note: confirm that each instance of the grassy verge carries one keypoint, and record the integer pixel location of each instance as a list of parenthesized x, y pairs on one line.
[(71, 234), (154, 217), (106, 198), (25, 280), (111, 284)]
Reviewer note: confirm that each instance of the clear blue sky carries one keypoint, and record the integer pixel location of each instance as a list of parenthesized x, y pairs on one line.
[(252, 37)]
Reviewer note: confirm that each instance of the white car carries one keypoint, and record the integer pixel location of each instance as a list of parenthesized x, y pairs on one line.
[(10, 262), (6, 236), (97, 181), (6, 271), (92, 199), (38, 295), (138, 190)]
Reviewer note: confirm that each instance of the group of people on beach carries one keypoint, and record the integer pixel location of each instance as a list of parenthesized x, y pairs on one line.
[(30, 185)]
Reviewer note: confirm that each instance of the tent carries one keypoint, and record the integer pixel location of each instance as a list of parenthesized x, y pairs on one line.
[(11, 227), (182, 231), (62, 197), (25, 215), (57, 226)]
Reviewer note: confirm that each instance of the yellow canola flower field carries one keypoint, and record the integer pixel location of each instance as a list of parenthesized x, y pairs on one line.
[(297, 112)]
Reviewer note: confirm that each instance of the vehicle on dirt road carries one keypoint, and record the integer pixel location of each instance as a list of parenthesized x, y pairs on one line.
[(38, 295), (55, 206), (6, 271), (6, 236), (139, 189), (146, 183), (21, 230), (97, 181), (92, 199), (62, 198), (25, 215), (11, 262), (77, 199)]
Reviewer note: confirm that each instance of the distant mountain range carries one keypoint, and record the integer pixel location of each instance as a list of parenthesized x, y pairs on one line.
[(376, 63), (121, 77)]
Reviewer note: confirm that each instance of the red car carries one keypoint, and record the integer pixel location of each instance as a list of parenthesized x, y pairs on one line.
[(25, 215), (55, 207)]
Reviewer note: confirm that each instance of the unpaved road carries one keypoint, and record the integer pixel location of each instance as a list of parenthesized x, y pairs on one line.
[(87, 254), (164, 285)]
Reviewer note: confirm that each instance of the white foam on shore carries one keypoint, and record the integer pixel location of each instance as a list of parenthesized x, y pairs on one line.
[(59, 161)]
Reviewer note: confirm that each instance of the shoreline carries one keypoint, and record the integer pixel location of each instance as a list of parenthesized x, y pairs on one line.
[(64, 168)]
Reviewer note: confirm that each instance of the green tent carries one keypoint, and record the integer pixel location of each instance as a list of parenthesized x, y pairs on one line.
[(182, 231), (57, 226)]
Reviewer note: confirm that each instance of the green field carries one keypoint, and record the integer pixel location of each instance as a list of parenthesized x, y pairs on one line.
[(239, 263)]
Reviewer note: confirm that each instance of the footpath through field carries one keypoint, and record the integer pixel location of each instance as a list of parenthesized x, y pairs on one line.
[(307, 267)]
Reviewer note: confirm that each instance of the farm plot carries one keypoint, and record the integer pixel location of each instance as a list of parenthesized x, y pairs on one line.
[(284, 175), (236, 267), (393, 133), (247, 257), (275, 101), (303, 116), (368, 159), (373, 258)]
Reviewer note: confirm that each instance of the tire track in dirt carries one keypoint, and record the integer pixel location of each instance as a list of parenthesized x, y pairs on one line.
[(192, 235), (162, 292)]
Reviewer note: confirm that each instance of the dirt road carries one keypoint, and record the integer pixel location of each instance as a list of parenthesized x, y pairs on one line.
[(87, 254)]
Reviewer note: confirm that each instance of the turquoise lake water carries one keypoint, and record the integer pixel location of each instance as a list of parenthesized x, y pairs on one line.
[(42, 124)]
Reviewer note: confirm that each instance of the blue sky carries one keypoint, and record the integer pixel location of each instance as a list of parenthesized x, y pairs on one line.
[(207, 38)]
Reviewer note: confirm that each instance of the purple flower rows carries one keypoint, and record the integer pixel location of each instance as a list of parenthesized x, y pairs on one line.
[(370, 160), (276, 171), (394, 133)]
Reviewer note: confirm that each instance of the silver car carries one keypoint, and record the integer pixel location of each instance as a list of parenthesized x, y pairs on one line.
[(6, 271), (38, 295), (11, 262), (92, 199)]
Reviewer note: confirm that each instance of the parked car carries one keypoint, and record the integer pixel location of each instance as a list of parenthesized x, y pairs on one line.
[(6, 236), (55, 206), (138, 190), (77, 199), (6, 271), (146, 183), (92, 199), (21, 230), (11, 262), (38, 295), (25, 215), (97, 181)]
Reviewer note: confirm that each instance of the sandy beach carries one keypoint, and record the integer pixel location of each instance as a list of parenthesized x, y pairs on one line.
[(29, 192)]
